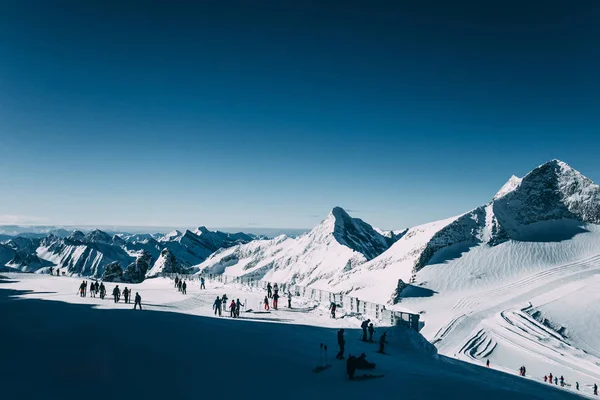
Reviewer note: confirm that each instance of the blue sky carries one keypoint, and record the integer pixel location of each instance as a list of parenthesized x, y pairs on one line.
[(269, 114)]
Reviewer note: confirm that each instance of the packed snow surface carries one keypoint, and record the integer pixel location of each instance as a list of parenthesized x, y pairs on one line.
[(65, 346)]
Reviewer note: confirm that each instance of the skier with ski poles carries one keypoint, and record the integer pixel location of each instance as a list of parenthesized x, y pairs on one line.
[(116, 293), (138, 301)]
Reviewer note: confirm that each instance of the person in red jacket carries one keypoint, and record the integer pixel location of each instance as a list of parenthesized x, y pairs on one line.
[(275, 298), (232, 309)]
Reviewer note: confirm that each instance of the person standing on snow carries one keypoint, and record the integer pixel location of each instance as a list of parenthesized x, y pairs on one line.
[(180, 285), (269, 293), (275, 288), (371, 332), (202, 283), (332, 307), (289, 299), (116, 293), (266, 303), (275, 299), (341, 343), (84, 288), (126, 295), (238, 305), (556, 380), (562, 381), (92, 290), (232, 309), (577, 385), (545, 378), (487, 363), (382, 343), (183, 288), (102, 291), (550, 379), (364, 326), (81, 292), (176, 282), (138, 301), (224, 302), (217, 306), (595, 390)]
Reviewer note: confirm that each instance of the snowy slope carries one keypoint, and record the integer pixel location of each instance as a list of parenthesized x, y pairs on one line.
[(269, 353), (338, 243)]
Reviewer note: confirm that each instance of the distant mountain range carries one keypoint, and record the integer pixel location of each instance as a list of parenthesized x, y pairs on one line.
[(88, 254)]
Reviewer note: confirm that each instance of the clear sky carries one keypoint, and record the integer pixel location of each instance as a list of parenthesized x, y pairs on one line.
[(268, 114)]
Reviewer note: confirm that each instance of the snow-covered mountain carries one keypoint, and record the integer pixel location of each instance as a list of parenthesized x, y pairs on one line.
[(166, 263), (553, 202), (339, 243), (89, 253)]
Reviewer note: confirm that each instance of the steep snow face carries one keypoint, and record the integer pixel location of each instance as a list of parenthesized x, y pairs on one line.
[(508, 187), (378, 279), (552, 191), (173, 235), (335, 245), (166, 263)]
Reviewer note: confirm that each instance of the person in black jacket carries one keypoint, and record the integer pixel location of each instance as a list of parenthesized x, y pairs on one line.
[(341, 343), (138, 301), (351, 366)]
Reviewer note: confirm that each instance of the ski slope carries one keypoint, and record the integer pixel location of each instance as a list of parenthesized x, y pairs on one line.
[(485, 308), (59, 345)]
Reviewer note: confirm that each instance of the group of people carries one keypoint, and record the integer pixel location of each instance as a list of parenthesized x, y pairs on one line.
[(353, 363), (220, 304), (365, 325), (181, 285), (522, 371), (273, 293), (95, 288), (552, 379), (99, 289)]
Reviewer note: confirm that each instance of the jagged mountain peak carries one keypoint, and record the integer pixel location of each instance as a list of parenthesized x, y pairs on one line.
[(98, 236), (173, 235), (76, 236), (350, 232), (201, 229)]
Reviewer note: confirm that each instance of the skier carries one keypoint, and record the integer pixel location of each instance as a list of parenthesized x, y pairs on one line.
[(275, 289), (116, 293), (341, 343), (595, 390), (351, 366), (81, 289), (266, 303), (524, 370), (183, 287), (138, 301), (269, 294), (176, 282), (84, 288), (332, 307), (232, 309), (202, 283), (550, 379), (289, 299), (238, 305), (102, 291), (382, 343), (217, 306), (487, 363), (92, 289), (180, 285), (51, 271), (577, 385), (371, 332), (364, 326), (362, 363), (556, 380), (562, 381), (545, 378), (224, 301), (126, 295), (275, 298)]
